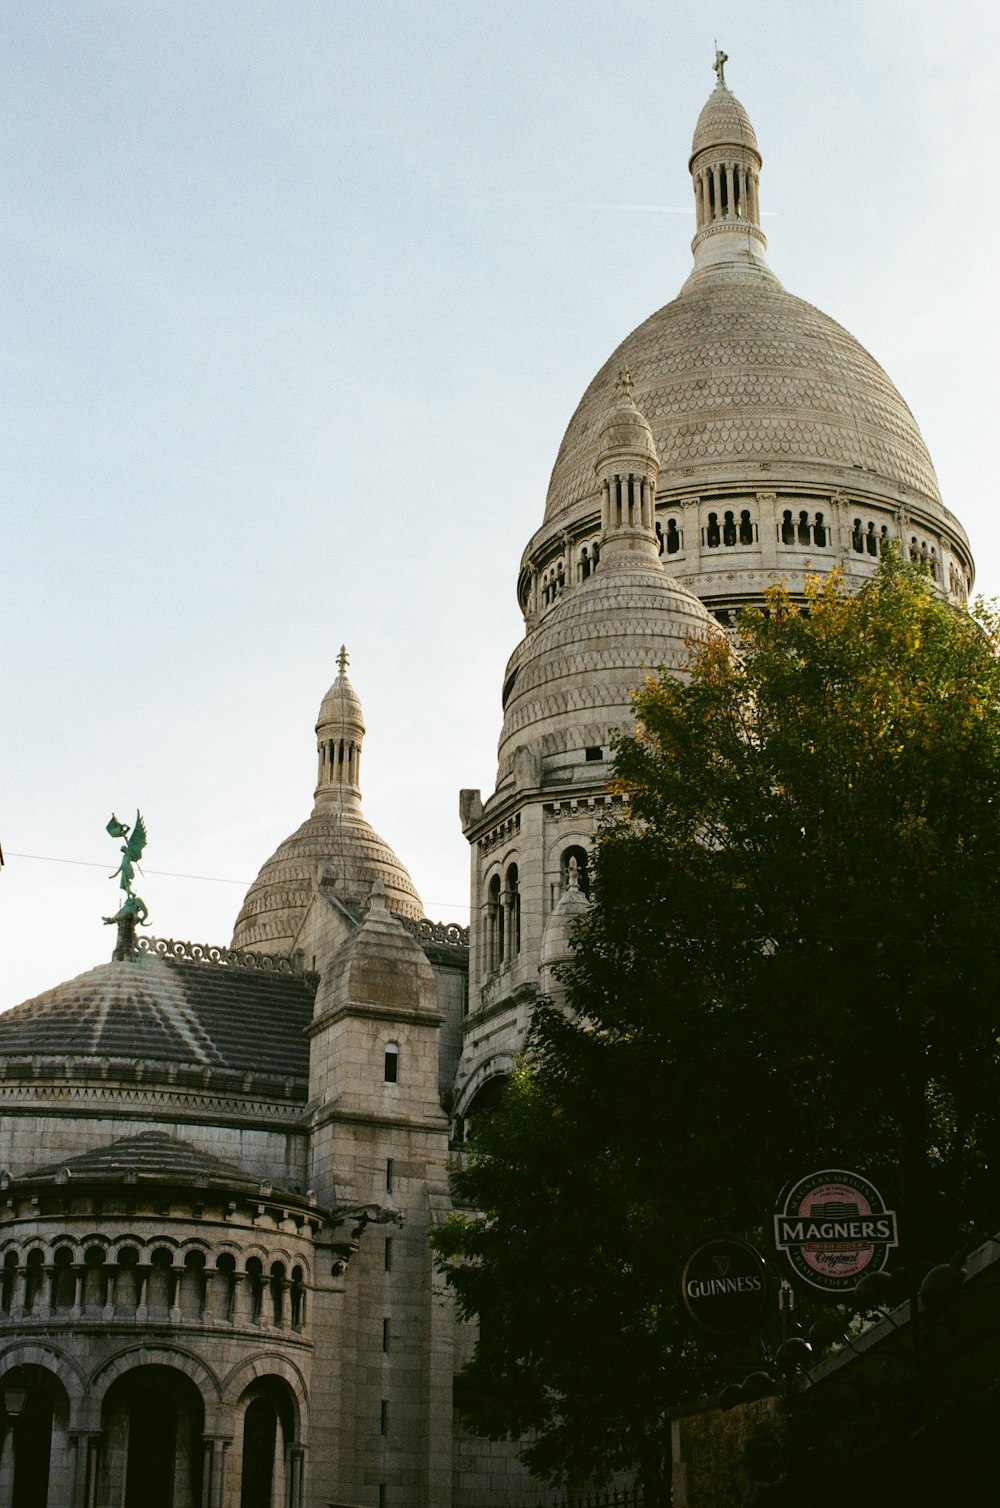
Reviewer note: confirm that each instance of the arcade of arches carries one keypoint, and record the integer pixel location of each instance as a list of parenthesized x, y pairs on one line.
[(151, 1438)]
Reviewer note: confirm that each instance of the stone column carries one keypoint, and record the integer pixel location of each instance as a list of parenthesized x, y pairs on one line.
[(79, 1278), (294, 1474), (7, 1465), (86, 1445), (213, 1479), (241, 1299), (689, 509), (730, 196), (717, 184), (43, 1307), (767, 508), (174, 1293)]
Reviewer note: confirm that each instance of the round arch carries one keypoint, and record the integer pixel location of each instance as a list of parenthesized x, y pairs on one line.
[(497, 1066), (32, 1353), (269, 1364), (193, 1367)]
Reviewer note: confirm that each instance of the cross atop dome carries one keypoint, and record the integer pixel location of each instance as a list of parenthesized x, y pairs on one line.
[(343, 659), (721, 59)]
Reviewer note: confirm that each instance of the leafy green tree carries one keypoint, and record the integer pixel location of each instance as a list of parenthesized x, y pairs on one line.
[(790, 963)]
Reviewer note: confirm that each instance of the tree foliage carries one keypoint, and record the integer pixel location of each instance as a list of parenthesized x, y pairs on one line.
[(790, 963)]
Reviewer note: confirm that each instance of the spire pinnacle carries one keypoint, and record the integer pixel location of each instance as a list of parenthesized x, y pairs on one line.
[(721, 59), (625, 382), (343, 659)]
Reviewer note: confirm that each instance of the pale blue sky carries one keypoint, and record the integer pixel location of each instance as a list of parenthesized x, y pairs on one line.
[(298, 299)]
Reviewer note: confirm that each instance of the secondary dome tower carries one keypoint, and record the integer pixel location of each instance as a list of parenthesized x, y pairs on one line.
[(335, 846)]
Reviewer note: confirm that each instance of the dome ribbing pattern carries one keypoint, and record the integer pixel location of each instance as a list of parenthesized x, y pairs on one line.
[(723, 122), (735, 372)]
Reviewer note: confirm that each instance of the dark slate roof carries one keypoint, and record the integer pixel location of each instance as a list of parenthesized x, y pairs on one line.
[(168, 1010), (150, 1156)]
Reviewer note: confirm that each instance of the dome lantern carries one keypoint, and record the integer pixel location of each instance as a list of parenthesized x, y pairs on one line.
[(725, 168), (340, 729)]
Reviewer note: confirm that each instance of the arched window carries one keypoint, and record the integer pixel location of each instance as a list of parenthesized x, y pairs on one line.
[(729, 528), (673, 540), (712, 533), (803, 530), (277, 1287), (787, 528), (34, 1278), (390, 1068), (127, 1281), (255, 1278), (221, 1292), (159, 1284), (871, 540), (297, 1297), (819, 531), (494, 925), (512, 912), (746, 527), (95, 1280), (192, 1299), (9, 1284), (857, 537), (63, 1279)]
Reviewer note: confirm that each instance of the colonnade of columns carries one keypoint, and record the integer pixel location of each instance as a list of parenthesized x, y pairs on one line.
[(72, 1291), (627, 502), (726, 190)]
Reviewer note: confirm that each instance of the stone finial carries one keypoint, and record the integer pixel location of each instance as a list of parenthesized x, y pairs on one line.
[(721, 59), (625, 382), (377, 901), (572, 875), (343, 659)]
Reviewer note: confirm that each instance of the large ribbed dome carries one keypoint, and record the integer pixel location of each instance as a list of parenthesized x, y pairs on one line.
[(736, 372)]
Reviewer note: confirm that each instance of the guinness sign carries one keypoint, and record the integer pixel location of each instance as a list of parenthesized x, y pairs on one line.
[(834, 1228), (724, 1286)]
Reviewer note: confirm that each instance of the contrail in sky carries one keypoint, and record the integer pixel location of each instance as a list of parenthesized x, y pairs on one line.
[(638, 209)]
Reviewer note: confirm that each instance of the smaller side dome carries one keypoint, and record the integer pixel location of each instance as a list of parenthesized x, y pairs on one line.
[(335, 845)]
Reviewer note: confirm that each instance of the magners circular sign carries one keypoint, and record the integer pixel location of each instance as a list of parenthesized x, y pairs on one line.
[(725, 1285), (834, 1228)]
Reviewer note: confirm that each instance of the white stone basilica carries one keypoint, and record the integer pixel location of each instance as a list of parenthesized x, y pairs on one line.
[(220, 1165)]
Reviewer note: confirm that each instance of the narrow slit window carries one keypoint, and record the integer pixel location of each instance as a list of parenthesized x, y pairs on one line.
[(391, 1063), (385, 1335), (389, 1175)]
